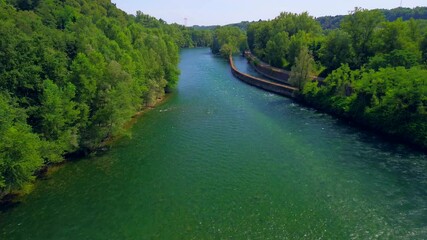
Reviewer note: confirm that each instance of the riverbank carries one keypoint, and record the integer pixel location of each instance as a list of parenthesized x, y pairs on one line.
[(12, 198), (128, 125), (369, 125), (364, 125)]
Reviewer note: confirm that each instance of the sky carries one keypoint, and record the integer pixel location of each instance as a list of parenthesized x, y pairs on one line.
[(221, 12)]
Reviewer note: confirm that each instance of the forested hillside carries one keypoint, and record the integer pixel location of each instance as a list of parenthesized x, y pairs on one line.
[(72, 72), (375, 69), (333, 22)]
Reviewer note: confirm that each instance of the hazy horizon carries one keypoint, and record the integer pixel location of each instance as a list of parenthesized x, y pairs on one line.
[(222, 12)]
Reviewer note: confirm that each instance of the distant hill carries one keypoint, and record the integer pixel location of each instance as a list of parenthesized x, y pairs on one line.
[(211, 27), (242, 25), (333, 22)]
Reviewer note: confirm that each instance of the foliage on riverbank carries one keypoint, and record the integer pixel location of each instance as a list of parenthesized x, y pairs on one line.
[(392, 100), (72, 73), (375, 70)]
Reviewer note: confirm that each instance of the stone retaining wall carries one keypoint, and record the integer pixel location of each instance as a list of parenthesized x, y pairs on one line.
[(264, 84), (271, 72)]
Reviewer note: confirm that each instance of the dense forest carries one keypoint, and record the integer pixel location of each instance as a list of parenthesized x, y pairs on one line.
[(375, 69), (72, 72)]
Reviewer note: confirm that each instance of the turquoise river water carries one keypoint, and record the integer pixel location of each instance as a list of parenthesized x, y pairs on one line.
[(223, 160)]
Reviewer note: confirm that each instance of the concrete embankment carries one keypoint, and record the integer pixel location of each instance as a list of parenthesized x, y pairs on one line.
[(281, 89), (268, 71), (276, 74)]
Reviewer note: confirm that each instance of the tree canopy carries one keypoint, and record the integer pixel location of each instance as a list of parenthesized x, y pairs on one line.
[(279, 41), (228, 40)]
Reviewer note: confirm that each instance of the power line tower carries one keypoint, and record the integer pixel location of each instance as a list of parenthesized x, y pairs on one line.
[(185, 21)]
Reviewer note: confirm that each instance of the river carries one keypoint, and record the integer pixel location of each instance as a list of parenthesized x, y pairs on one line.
[(224, 160)]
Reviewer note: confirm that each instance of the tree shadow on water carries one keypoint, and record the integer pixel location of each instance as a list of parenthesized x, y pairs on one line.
[(9, 202)]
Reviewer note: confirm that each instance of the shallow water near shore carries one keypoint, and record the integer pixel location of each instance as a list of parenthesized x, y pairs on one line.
[(224, 160)]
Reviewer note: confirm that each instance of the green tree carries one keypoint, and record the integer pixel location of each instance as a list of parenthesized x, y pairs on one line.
[(293, 23), (58, 117), (297, 43), (423, 48), (277, 49), (20, 154), (361, 25), (302, 70), (228, 40), (336, 50), (258, 35)]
